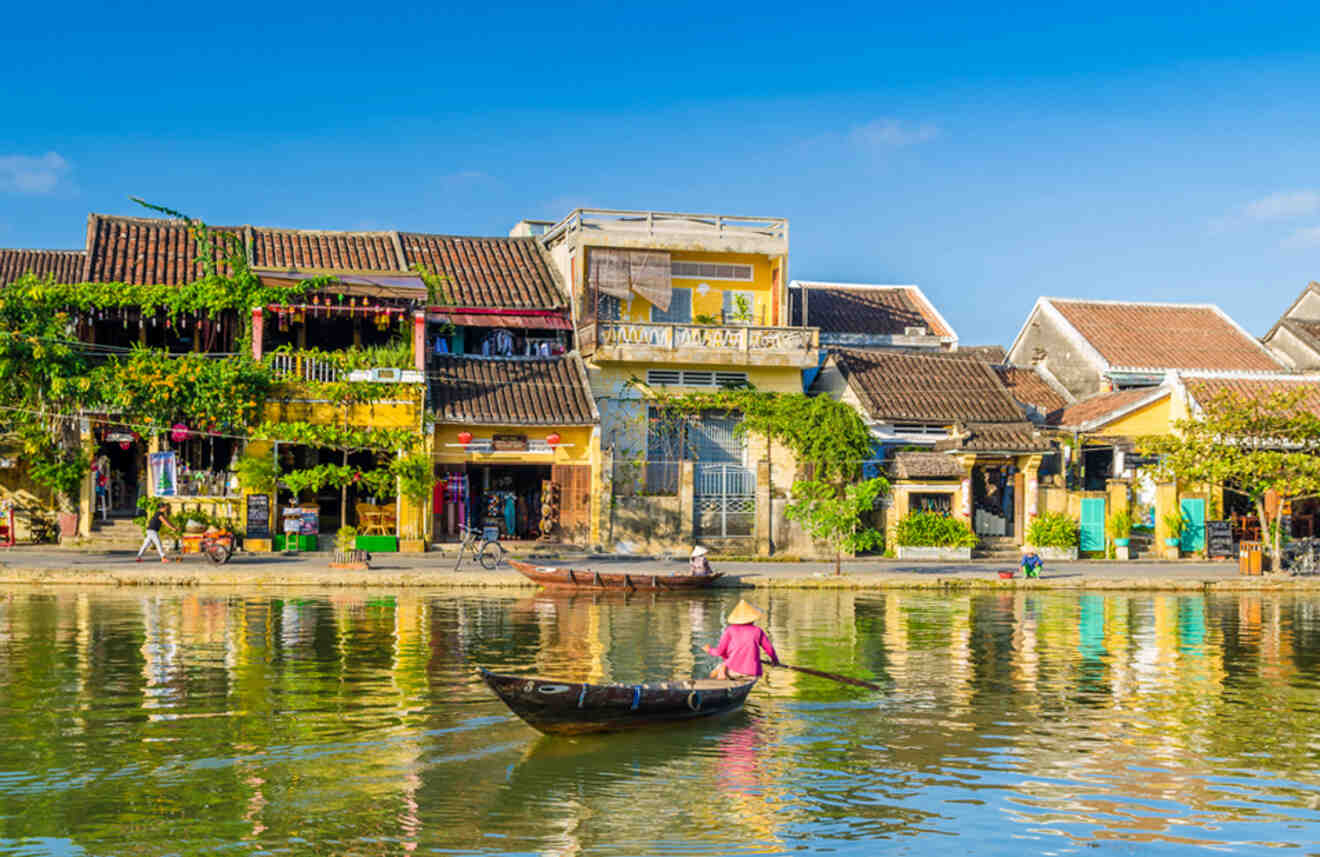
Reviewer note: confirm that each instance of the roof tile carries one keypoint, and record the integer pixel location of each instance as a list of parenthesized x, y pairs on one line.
[(1101, 406), (1204, 389), (66, 266), (875, 310), (509, 273), (905, 386), (475, 390), (1027, 386)]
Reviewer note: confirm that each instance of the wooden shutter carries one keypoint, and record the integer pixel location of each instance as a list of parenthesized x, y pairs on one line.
[(574, 501)]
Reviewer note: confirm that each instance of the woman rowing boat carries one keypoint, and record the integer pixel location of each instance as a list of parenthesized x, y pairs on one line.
[(740, 645)]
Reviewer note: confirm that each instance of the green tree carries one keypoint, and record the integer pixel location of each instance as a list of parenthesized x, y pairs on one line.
[(834, 514), (1251, 445)]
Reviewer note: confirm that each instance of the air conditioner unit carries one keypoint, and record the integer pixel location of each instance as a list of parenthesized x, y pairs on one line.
[(915, 331), (387, 375)]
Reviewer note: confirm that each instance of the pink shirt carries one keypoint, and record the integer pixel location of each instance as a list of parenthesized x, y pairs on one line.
[(738, 646)]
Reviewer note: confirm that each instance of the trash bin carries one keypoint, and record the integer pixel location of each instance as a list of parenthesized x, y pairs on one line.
[(1250, 555)]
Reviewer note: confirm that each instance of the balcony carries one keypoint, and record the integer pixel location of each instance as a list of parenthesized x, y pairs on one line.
[(295, 366), (669, 230), (743, 345)]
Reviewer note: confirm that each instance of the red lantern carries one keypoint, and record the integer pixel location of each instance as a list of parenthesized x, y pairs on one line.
[(552, 438), (178, 432), (123, 444), (465, 437)]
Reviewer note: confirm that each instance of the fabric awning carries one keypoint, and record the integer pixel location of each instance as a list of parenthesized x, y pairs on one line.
[(482, 317), (646, 273)]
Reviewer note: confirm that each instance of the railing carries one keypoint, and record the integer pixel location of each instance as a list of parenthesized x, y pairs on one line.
[(678, 337), (667, 223), (306, 368)]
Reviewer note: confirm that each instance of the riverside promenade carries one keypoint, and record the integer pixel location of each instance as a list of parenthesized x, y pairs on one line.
[(53, 566)]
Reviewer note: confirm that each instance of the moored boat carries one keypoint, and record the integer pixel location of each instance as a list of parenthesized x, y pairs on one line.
[(575, 708), (579, 578)]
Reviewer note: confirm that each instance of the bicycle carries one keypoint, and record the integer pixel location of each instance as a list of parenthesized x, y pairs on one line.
[(488, 552)]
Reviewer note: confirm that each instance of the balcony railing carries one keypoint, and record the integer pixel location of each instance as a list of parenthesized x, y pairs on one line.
[(703, 337), (667, 224), (306, 368)]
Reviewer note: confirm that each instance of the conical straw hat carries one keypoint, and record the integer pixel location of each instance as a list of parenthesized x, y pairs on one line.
[(744, 614)]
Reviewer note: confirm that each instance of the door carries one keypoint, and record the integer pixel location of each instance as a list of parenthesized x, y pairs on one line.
[(1193, 534), (574, 501), (1093, 524)]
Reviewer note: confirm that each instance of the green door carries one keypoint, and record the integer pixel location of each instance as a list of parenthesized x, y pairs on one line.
[(1093, 524), (1193, 534)]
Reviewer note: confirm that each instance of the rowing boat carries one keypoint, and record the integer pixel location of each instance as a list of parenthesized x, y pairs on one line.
[(548, 575), (573, 708)]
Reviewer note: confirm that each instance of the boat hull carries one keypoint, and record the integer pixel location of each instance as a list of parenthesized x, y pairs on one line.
[(575, 708), (577, 578)]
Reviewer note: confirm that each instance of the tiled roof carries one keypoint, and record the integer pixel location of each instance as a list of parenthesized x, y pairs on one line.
[(995, 437), (548, 391), (874, 310), (324, 250), (1204, 389), (66, 266), (1026, 385), (509, 273), (1101, 407), (501, 273), (144, 250), (1165, 336), (989, 353), (904, 386), (925, 465)]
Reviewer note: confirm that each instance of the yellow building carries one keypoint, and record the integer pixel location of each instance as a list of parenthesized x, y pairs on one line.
[(669, 303)]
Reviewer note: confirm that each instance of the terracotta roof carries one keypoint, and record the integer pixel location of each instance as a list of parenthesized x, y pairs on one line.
[(1101, 407), (906, 386), (1025, 385), (143, 250), (1165, 336), (550, 391), (989, 353), (500, 273), (925, 465), (1204, 389), (875, 310), (995, 437), (509, 273), (66, 266), (320, 250)]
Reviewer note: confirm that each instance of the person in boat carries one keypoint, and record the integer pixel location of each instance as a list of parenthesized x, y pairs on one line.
[(698, 564), (741, 644), (1031, 562)]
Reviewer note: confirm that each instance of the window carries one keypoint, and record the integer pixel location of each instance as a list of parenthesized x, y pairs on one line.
[(940, 504), (739, 307), (711, 271), (680, 308), (695, 378), (609, 308)]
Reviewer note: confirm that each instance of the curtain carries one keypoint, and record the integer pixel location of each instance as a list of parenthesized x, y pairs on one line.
[(645, 273), (609, 272)]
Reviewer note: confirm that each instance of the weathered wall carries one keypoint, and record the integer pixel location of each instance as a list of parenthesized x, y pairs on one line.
[(1068, 363)]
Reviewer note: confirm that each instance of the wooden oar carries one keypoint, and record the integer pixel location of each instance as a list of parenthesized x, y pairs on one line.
[(855, 682)]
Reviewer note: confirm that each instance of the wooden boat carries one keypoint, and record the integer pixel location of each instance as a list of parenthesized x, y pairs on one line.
[(577, 578), (573, 708)]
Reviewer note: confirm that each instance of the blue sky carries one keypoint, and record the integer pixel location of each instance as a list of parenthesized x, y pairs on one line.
[(991, 155)]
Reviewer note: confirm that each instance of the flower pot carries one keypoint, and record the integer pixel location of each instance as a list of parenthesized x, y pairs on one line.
[(1057, 553), (947, 554), (1173, 543), (1122, 543)]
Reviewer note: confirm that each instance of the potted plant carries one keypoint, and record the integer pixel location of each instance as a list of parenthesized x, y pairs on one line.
[(1175, 524), (1054, 535), (930, 535), (347, 557), (1120, 528)]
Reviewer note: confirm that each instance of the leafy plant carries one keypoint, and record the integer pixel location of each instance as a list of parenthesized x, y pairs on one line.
[(1120, 524), (257, 473), (931, 529), (1053, 530), (415, 476), (742, 310), (834, 515), (346, 539), (1175, 523), (705, 318)]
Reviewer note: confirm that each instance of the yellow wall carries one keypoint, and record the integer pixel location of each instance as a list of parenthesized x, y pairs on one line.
[(1155, 418), (575, 445), (397, 411), (712, 303)]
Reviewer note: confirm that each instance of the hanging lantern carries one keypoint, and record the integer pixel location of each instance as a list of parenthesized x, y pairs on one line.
[(552, 438), (465, 437), (178, 432), (123, 444)]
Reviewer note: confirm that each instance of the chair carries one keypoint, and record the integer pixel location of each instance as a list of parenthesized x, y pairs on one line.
[(388, 523), (369, 518)]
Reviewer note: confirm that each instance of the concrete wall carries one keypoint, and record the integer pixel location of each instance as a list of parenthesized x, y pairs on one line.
[(1065, 360), (1297, 353)]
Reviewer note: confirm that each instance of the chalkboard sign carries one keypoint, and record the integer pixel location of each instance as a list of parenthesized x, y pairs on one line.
[(1218, 538), (258, 516)]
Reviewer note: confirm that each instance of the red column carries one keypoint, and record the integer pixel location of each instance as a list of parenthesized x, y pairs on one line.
[(258, 327), (419, 341)]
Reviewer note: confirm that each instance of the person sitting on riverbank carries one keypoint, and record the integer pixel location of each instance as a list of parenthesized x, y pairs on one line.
[(1031, 562), (741, 644), (698, 564)]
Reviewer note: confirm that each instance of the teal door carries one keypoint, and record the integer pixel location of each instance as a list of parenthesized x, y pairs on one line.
[(1193, 534), (1093, 524)]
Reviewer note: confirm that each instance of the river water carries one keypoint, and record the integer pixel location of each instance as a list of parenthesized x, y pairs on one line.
[(353, 722)]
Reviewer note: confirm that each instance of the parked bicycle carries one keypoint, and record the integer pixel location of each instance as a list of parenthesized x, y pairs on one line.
[(488, 552)]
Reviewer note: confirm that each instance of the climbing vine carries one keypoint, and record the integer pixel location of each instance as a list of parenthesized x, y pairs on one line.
[(349, 438)]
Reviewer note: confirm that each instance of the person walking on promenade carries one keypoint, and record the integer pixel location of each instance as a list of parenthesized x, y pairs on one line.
[(158, 519), (741, 644)]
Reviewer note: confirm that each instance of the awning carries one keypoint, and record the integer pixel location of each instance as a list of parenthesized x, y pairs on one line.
[(483, 317), (387, 285)]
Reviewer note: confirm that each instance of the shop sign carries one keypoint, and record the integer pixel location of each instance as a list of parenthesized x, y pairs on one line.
[(258, 516), (119, 437), (509, 442)]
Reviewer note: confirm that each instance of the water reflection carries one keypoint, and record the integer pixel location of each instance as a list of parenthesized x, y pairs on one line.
[(156, 722)]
